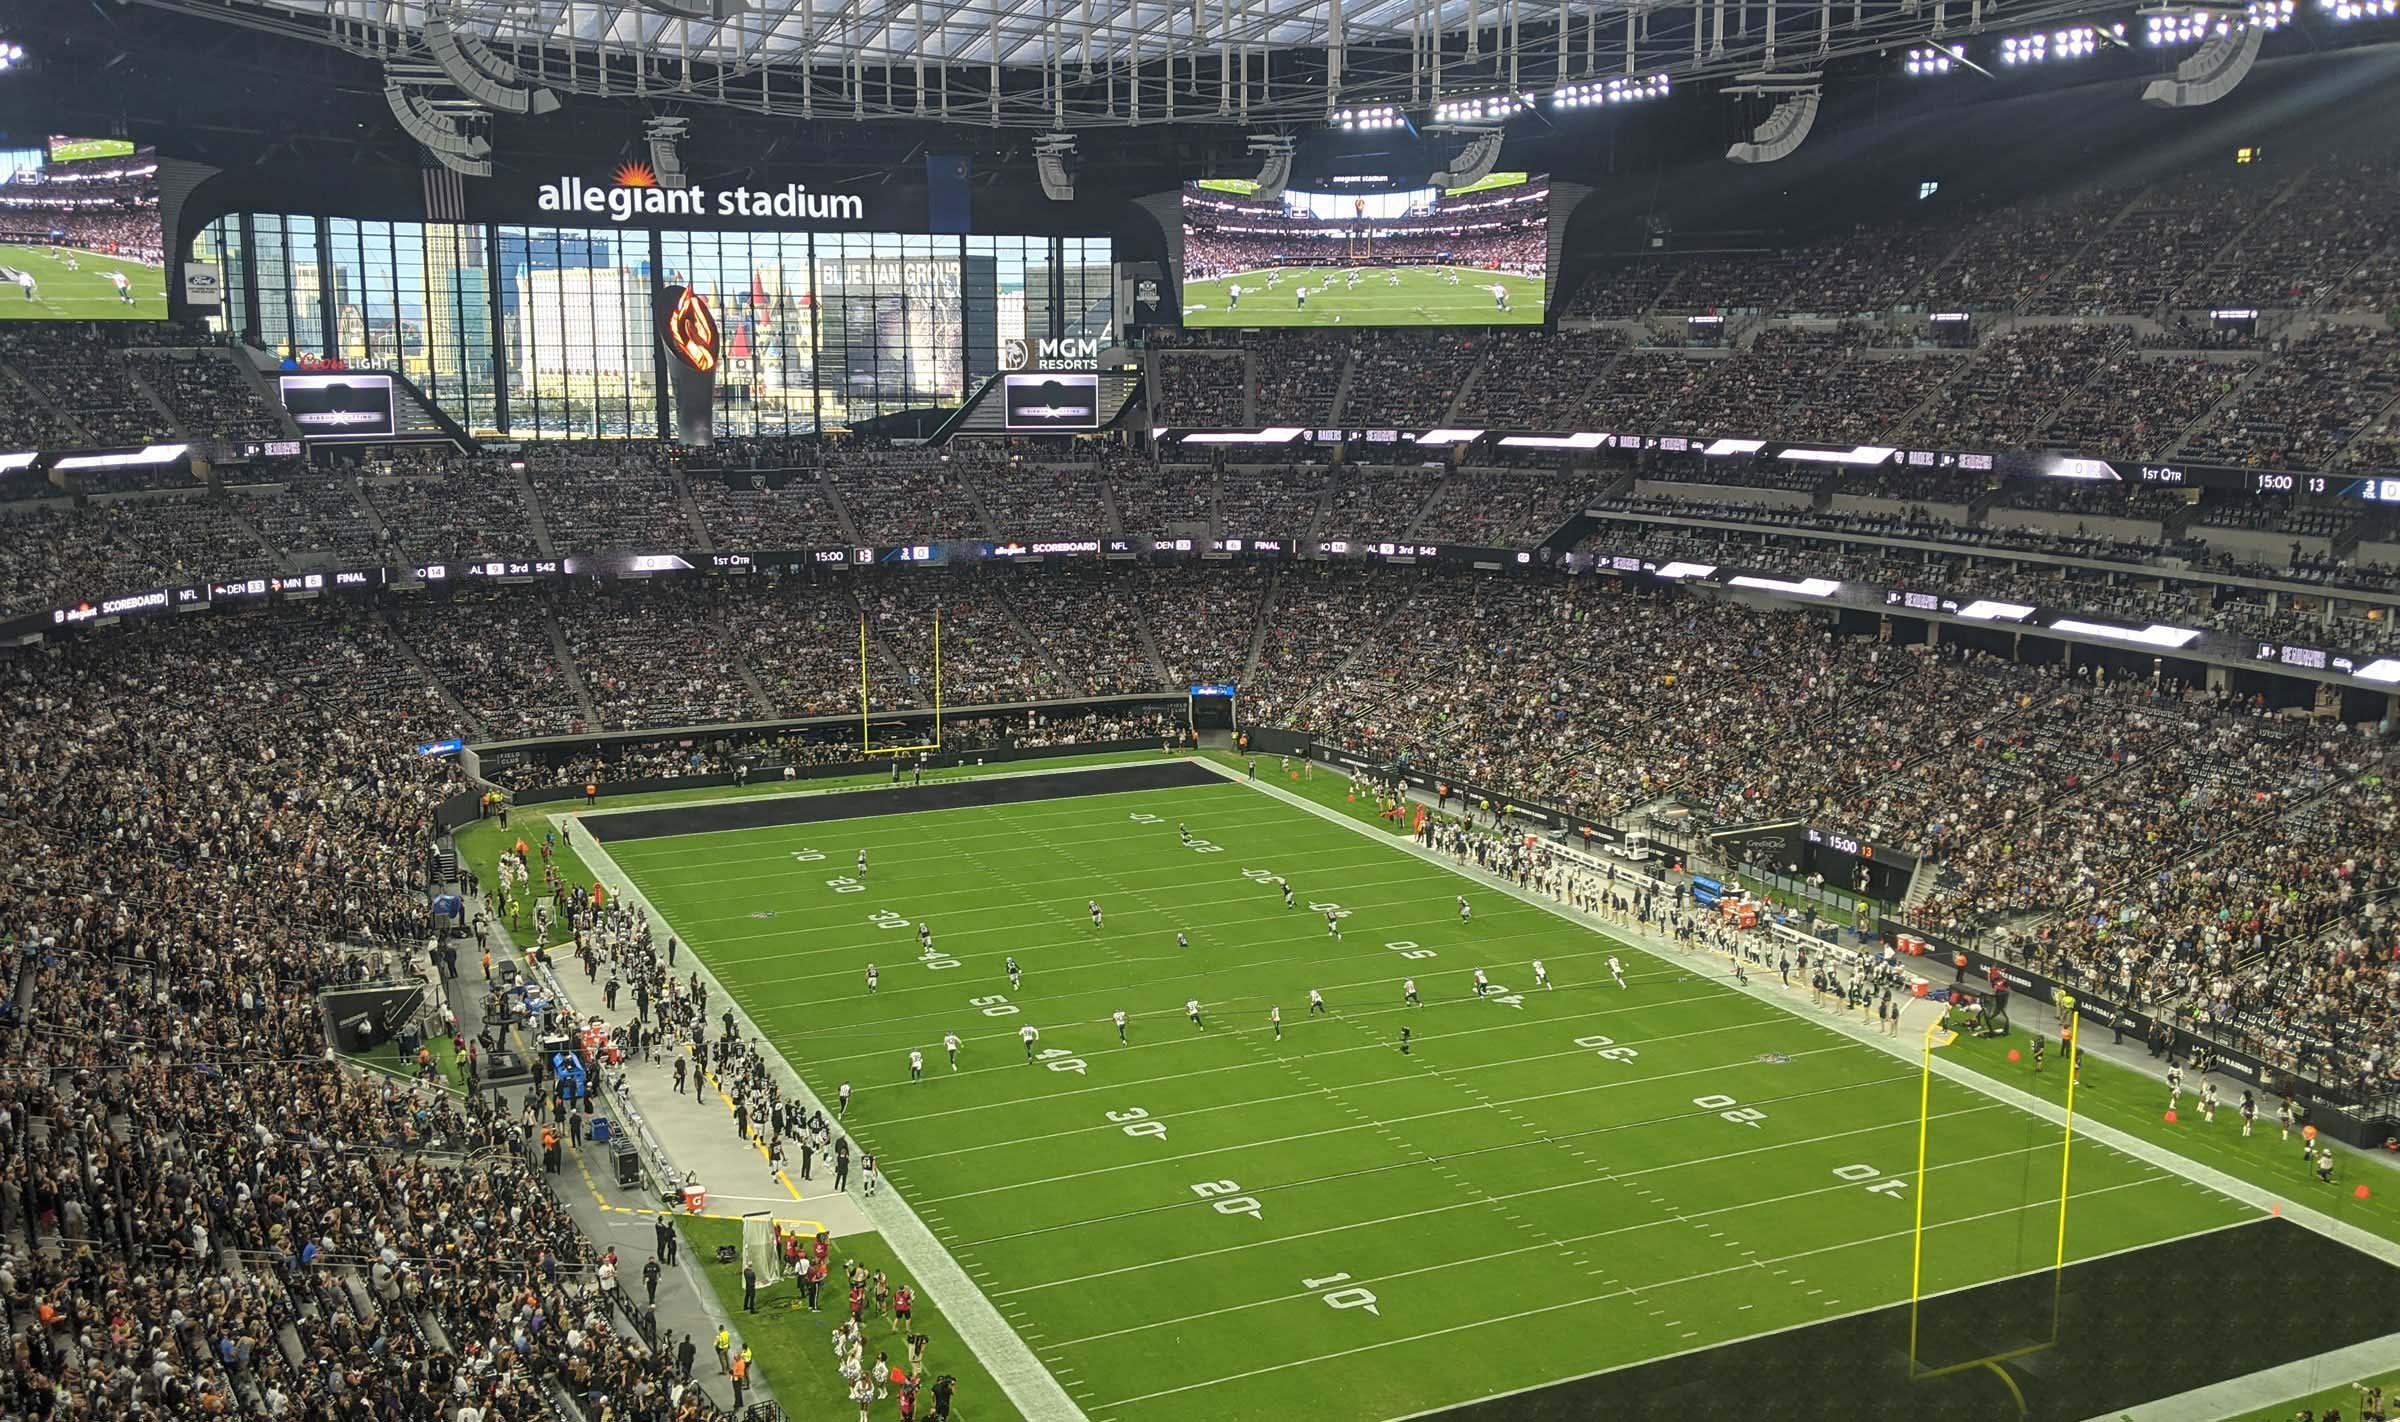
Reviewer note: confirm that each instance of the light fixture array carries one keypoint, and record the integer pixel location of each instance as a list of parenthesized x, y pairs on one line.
[(1623, 89)]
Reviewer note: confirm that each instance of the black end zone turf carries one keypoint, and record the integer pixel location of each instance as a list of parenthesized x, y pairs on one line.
[(770, 810), (2133, 1327)]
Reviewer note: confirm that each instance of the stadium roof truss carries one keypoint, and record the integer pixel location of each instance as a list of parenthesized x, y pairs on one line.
[(1100, 63)]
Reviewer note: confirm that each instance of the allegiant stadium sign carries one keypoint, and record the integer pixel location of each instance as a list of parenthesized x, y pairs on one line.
[(637, 194)]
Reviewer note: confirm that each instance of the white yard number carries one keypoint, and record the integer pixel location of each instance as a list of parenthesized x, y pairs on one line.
[(1137, 1122), (937, 959), (1141, 819), (1870, 1177), (845, 885), (1202, 846), (1499, 993), (1606, 1049), (1730, 1109), (1263, 876), (885, 918), (1407, 948), (1228, 1198), (1352, 1297), (1335, 909), (808, 856), (1059, 1059), (993, 1006)]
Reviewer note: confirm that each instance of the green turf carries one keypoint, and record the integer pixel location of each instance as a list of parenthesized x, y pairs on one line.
[(479, 844), (793, 1347), (1192, 1225), (2137, 1104), (82, 295), (2343, 1394), (1420, 298)]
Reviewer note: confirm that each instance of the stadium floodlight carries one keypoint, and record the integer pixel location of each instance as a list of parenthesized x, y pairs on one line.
[(1370, 119), (1926, 62), (1787, 126), (2273, 15), (2213, 71), (481, 74), (2347, 10), (1050, 154), (666, 158), (1621, 89), (2070, 42), (719, 10), (1481, 108), (1275, 164), (11, 55), (1473, 164)]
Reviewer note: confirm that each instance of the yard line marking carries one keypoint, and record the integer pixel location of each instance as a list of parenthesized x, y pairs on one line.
[(1612, 1231), (1687, 1115), (1548, 1190), (1614, 1293)]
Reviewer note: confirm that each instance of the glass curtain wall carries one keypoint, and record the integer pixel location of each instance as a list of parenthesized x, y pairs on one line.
[(819, 331)]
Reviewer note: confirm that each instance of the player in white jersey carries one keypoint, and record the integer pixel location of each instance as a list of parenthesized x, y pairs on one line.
[(1316, 1003), (1499, 296), (1095, 907), (1274, 279), (1616, 970), (1541, 975), (1465, 914), (1275, 1020), (1015, 977), (1299, 298), (124, 289), (1233, 295), (1287, 893), (862, 864), (1333, 924), (1180, 940), (950, 1045), (1119, 1014), (873, 981), (916, 1065), (1192, 1007), (924, 935), (1029, 1034), (1482, 983), (25, 284)]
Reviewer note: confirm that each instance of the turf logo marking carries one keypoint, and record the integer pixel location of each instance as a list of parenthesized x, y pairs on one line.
[(1227, 1199), (1739, 1114), (1352, 1297), (1137, 1122), (1872, 1178)]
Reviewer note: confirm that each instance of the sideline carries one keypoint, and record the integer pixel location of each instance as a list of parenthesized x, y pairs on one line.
[(1030, 1387), (567, 808), (2207, 1402)]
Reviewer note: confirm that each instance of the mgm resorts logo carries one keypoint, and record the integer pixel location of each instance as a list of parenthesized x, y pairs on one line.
[(1061, 353), (637, 194)]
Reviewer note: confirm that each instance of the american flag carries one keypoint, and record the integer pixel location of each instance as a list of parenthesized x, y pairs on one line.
[(445, 194)]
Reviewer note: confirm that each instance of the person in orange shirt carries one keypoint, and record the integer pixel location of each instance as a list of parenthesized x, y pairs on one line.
[(591, 792)]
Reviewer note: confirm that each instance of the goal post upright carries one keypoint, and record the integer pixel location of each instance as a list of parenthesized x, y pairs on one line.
[(866, 721)]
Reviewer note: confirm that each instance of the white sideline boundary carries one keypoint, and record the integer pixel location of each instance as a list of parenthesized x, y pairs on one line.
[(2268, 1387), (2216, 1400), (568, 807), (1028, 1385)]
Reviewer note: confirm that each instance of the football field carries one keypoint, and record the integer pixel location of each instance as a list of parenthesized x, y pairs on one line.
[(85, 294), (1217, 1220), (1384, 296)]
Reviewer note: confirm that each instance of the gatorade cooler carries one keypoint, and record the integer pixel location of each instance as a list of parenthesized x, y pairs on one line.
[(695, 1198)]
